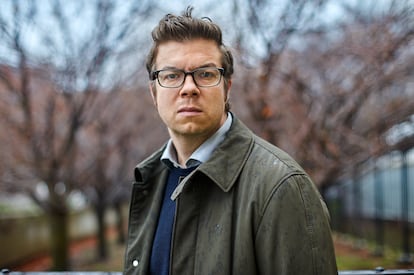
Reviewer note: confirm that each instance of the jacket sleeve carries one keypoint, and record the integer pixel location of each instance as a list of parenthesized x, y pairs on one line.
[(294, 237)]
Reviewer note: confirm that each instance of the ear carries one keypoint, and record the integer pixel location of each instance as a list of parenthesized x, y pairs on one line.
[(229, 82), (228, 90), (153, 92)]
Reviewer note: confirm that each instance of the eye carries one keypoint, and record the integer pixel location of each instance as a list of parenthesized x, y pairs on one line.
[(206, 74), (170, 75)]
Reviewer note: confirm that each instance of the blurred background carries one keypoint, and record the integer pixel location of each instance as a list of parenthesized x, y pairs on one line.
[(329, 81)]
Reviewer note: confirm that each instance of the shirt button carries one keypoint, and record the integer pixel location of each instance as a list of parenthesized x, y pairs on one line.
[(135, 263)]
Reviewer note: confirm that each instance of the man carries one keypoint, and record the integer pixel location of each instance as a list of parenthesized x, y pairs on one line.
[(217, 199)]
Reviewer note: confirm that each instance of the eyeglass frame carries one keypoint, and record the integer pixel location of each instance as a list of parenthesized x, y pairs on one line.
[(154, 75)]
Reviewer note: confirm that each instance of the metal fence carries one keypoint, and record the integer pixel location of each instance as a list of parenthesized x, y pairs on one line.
[(375, 202), (355, 272)]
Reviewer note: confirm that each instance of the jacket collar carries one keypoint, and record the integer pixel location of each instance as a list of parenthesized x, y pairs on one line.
[(150, 166), (222, 168), (228, 159)]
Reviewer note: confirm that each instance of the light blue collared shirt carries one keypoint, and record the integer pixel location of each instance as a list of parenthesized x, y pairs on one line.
[(203, 153)]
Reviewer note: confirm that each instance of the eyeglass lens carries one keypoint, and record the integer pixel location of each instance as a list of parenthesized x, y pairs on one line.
[(202, 77)]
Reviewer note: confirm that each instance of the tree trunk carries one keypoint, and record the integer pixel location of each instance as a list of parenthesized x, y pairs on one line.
[(119, 223), (59, 239), (102, 244)]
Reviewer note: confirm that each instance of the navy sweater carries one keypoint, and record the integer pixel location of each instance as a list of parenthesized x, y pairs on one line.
[(160, 255)]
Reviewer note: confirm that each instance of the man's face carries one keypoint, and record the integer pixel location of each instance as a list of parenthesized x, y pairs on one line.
[(189, 110)]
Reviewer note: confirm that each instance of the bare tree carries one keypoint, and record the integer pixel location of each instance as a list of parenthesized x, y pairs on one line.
[(49, 89), (332, 100), (266, 29), (363, 89), (109, 149)]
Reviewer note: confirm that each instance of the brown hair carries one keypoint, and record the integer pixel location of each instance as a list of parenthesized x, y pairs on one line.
[(184, 28)]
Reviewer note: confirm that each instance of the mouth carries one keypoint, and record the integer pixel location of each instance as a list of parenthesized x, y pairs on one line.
[(189, 110)]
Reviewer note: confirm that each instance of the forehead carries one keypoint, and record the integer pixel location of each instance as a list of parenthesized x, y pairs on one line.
[(188, 54)]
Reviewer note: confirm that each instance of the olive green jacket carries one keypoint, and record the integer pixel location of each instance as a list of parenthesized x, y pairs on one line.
[(249, 210)]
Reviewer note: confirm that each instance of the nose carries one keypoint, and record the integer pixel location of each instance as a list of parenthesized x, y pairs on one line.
[(189, 87)]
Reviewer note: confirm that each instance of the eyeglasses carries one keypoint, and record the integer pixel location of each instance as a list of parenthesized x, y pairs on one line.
[(174, 78)]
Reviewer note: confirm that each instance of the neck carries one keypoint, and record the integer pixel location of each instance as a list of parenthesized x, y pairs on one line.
[(185, 146)]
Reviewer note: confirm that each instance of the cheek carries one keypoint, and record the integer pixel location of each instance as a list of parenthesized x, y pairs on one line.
[(164, 105), (217, 103)]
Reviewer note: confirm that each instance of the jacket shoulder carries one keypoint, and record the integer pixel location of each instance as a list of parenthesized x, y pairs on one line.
[(269, 156), (149, 166)]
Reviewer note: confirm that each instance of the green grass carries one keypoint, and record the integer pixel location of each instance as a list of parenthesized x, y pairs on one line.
[(86, 260), (356, 262), (361, 255)]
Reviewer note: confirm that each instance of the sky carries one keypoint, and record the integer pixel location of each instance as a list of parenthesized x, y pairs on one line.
[(221, 12), (80, 13)]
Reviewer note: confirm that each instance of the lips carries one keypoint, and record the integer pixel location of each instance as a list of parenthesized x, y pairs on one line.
[(189, 110)]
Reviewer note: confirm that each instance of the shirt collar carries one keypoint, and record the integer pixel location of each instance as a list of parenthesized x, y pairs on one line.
[(202, 153)]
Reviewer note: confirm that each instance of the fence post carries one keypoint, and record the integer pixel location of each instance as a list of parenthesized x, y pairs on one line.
[(406, 256), (356, 211), (379, 210)]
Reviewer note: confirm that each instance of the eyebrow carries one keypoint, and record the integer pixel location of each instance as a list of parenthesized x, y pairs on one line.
[(169, 68), (198, 67)]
